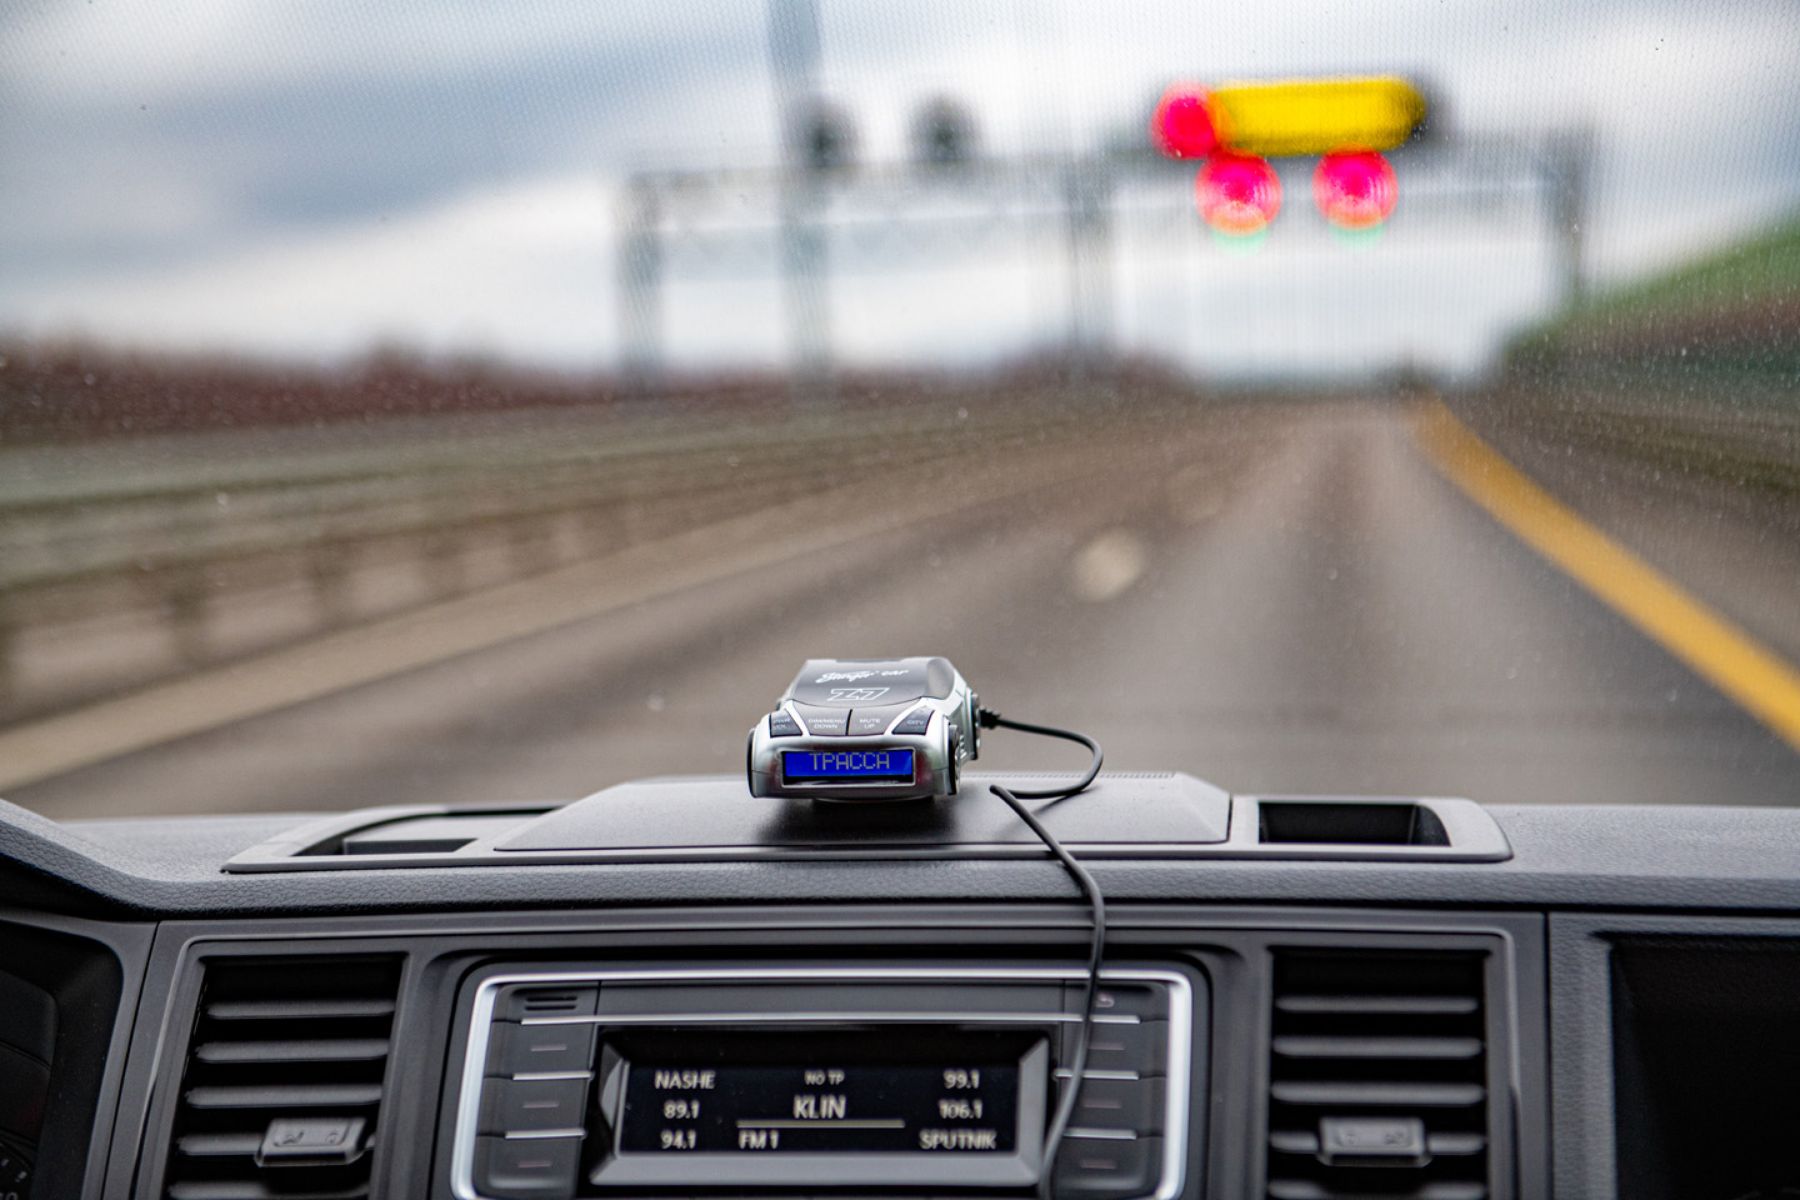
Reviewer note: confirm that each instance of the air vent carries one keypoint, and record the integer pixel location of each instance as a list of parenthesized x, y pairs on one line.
[(1378, 1081), (283, 1082)]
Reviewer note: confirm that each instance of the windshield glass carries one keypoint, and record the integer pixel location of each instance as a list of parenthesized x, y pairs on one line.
[(404, 403)]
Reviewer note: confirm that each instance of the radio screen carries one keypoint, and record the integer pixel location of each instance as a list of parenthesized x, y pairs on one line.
[(847, 764), (889, 1091)]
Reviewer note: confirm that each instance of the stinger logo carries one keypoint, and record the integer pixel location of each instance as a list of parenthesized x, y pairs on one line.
[(853, 676)]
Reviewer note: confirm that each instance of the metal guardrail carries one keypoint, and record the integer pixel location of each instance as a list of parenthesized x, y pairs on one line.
[(69, 538), (176, 551)]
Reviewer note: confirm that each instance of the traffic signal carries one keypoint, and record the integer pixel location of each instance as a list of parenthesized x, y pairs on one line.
[(824, 137), (1301, 117), (1182, 125), (1236, 128), (1238, 194), (1355, 189), (943, 134)]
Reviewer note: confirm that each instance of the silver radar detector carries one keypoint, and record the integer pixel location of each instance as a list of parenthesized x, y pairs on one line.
[(866, 729)]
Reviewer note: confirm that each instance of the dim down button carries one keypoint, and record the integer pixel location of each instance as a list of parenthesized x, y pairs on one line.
[(824, 722)]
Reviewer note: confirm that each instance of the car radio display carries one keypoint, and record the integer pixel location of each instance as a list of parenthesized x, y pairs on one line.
[(893, 1091), (847, 764)]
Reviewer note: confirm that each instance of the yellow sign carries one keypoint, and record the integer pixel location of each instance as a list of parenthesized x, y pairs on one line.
[(1315, 116)]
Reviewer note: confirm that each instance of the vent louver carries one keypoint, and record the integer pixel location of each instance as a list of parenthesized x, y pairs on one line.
[(1378, 1080), (283, 1081)]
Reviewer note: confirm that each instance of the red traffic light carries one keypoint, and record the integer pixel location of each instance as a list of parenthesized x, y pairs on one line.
[(1355, 189), (1182, 126), (1238, 194)]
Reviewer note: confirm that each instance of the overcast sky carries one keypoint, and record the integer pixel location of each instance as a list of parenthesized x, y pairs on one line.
[(310, 179)]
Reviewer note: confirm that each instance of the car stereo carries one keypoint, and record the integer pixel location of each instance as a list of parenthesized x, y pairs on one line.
[(626, 1082)]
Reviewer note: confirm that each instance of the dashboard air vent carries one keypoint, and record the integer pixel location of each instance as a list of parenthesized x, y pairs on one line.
[(283, 1081), (1378, 1082)]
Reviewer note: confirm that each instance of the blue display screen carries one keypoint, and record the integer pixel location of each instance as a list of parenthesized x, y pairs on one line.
[(847, 764)]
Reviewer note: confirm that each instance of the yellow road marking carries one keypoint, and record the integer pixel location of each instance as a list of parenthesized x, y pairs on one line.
[(1752, 675)]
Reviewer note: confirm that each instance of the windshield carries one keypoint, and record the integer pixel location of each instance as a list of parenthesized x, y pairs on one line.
[(404, 403)]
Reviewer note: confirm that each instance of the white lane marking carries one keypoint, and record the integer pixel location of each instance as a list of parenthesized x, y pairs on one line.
[(1106, 567)]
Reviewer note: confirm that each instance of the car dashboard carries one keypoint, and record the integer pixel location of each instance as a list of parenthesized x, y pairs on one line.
[(675, 989)]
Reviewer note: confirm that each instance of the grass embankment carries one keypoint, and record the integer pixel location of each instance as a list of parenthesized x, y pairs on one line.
[(1694, 371), (1736, 310)]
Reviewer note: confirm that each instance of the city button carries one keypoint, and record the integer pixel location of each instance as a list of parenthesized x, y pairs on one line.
[(915, 722)]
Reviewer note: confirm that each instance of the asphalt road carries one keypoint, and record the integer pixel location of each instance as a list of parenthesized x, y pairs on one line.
[(1281, 599)]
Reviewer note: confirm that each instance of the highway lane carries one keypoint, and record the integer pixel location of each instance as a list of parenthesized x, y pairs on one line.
[(1733, 542), (1275, 598)]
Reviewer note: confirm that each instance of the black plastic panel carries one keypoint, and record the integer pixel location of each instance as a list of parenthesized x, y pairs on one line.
[(1706, 1051), (1156, 813), (1228, 948), (1150, 815), (1686, 985), (67, 998), (716, 820), (1666, 858)]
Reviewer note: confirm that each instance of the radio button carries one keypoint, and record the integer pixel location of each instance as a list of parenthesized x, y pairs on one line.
[(527, 1168), (1118, 1104), (532, 1105), (1105, 1169), (523, 1049), (1142, 1047), (1141, 1000), (518, 1002), (782, 724), (824, 722)]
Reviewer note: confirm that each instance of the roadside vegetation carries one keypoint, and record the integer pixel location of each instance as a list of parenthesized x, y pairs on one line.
[(1692, 373)]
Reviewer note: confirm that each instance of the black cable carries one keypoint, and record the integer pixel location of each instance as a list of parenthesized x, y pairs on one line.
[(989, 719), (1065, 1109)]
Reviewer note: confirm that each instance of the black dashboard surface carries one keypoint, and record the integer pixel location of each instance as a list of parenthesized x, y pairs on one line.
[(1590, 904), (1681, 858)]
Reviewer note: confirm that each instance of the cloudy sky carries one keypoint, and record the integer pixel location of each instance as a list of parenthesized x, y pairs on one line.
[(310, 179)]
